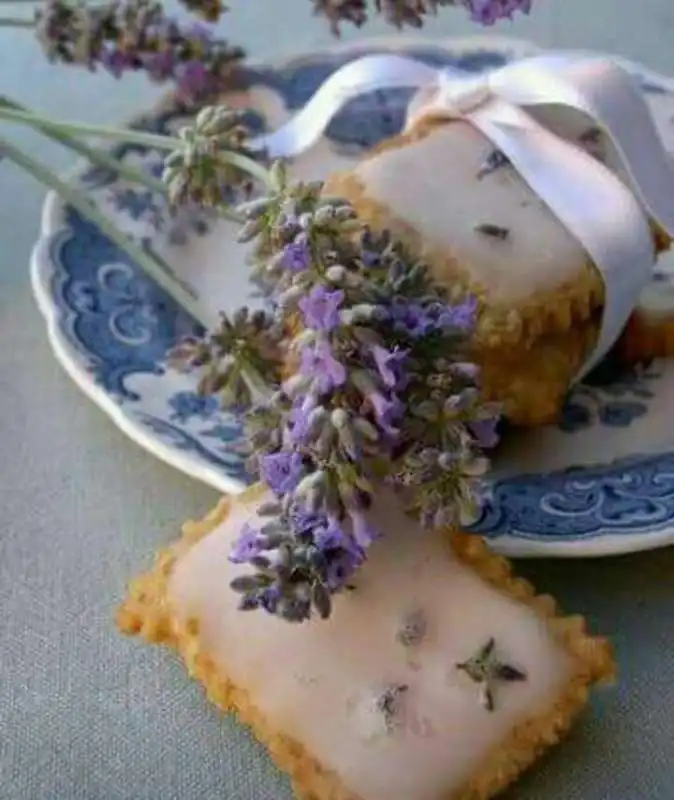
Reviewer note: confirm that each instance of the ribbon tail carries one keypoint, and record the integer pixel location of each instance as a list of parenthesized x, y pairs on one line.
[(366, 74), (591, 202)]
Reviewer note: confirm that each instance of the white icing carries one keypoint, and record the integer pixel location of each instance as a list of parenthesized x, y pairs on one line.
[(317, 682), (432, 184)]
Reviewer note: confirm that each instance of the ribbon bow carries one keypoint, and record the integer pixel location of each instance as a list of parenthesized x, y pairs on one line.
[(609, 211)]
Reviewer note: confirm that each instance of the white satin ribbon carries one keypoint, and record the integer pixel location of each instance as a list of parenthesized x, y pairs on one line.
[(609, 215)]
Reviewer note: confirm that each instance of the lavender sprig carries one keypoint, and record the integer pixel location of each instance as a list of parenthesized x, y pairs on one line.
[(411, 13), (213, 162), (132, 35), (380, 387), (239, 361)]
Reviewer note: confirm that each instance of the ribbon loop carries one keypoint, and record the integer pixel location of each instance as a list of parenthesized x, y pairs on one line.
[(608, 207)]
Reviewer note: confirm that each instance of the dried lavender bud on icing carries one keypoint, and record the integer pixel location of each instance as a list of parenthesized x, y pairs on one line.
[(493, 231), (413, 628), (496, 160), (486, 670)]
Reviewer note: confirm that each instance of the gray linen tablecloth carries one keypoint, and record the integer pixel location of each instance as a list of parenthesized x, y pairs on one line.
[(88, 715)]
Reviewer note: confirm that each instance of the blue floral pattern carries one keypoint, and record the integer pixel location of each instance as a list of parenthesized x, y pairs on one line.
[(119, 325), (612, 395), (187, 405), (580, 503)]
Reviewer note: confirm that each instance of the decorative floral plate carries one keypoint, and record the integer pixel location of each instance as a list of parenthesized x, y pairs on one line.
[(600, 482)]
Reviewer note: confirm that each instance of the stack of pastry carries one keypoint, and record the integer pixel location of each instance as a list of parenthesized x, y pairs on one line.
[(455, 201)]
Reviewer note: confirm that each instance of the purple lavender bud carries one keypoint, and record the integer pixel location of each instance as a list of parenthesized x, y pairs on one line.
[(390, 365), (487, 12), (341, 567), (319, 363), (300, 419), (320, 308), (249, 544), (269, 598), (330, 536), (193, 79), (387, 411), (160, 66), (281, 471), (249, 602), (484, 431), (461, 316), (115, 61), (296, 256)]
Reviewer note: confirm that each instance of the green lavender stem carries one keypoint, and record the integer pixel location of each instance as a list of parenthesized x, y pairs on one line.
[(8, 22), (99, 131), (94, 155), (171, 284), (154, 140)]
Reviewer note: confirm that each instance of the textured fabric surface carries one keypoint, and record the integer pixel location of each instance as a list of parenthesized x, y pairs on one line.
[(88, 715)]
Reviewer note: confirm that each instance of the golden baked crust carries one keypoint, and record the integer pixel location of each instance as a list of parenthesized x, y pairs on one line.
[(146, 612), (531, 382), (646, 338)]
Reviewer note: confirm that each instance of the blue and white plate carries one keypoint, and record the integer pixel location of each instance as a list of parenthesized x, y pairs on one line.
[(600, 482)]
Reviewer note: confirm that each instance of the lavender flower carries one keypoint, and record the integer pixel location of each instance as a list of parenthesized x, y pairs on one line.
[(387, 411), (320, 308), (411, 13), (281, 471), (390, 364), (306, 559), (249, 545), (319, 363), (487, 12), (296, 256), (136, 35), (485, 432)]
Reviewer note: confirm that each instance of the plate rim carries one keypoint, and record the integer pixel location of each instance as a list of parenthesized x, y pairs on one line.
[(52, 223)]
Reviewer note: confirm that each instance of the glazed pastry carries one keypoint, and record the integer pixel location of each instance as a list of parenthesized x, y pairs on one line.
[(455, 202), (437, 676)]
